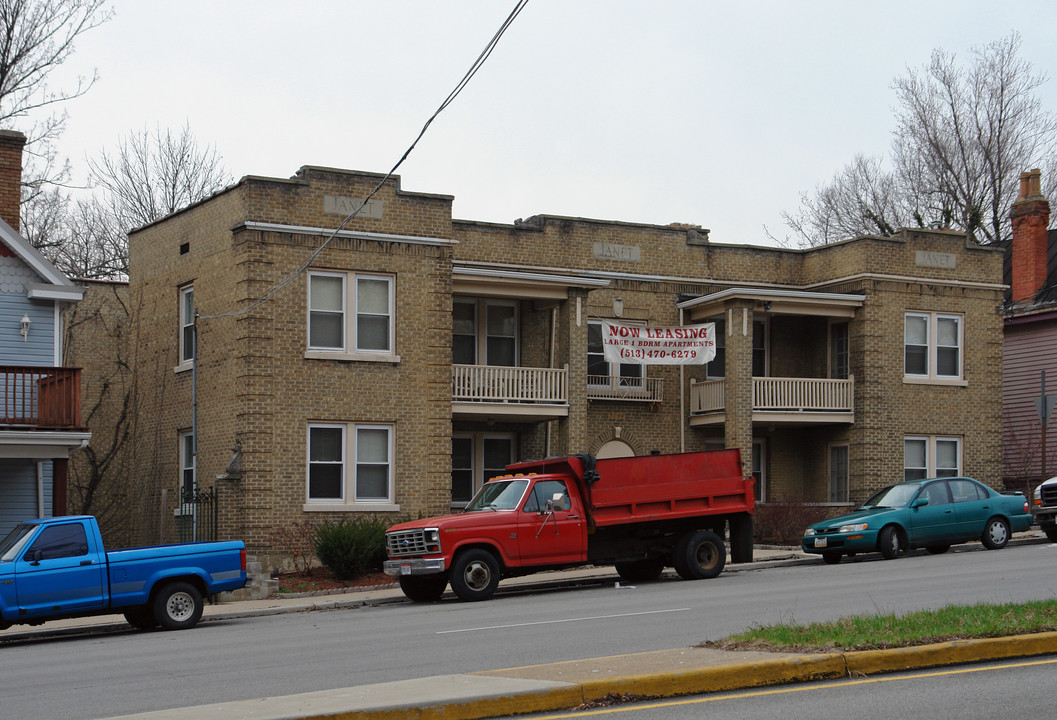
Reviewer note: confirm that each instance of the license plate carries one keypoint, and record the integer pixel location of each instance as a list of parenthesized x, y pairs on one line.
[(821, 542), (405, 569)]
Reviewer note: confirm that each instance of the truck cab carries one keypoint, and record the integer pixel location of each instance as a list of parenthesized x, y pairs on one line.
[(1044, 508)]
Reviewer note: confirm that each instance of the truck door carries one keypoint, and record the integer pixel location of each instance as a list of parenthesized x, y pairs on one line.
[(60, 573), (550, 525)]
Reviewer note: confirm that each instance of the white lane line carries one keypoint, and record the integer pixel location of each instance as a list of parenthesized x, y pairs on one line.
[(563, 620)]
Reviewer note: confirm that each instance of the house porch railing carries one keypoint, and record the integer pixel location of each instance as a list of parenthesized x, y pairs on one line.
[(40, 397)]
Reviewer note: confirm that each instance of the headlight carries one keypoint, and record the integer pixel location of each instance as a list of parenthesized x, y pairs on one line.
[(809, 532), (855, 527), (1038, 493)]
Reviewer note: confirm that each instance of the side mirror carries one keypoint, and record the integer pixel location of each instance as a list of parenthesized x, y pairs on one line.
[(558, 502), (920, 502)]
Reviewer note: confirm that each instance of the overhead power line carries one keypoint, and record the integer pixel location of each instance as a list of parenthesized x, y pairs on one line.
[(477, 64)]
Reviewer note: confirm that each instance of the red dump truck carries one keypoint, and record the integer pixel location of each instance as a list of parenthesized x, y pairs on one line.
[(641, 514)]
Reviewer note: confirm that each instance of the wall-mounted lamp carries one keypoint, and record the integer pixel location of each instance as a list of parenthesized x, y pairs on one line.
[(23, 327), (767, 306)]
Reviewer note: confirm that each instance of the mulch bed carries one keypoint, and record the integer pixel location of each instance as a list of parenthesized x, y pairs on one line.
[(320, 580)]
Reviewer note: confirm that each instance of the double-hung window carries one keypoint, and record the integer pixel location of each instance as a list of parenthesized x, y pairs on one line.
[(187, 325), (932, 346), (350, 314), (931, 456), (614, 376), (350, 465), (838, 473), (187, 465), (484, 332)]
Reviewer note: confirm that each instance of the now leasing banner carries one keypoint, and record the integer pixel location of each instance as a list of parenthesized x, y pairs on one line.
[(687, 345)]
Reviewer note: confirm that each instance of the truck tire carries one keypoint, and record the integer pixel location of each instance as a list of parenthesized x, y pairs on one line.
[(423, 588), (645, 570), (996, 534), (178, 606), (699, 555), (141, 619), (832, 557), (474, 575), (1051, 532)]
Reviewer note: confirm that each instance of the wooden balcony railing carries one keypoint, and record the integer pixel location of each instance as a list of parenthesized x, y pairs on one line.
[(526, 385), (772, 394), (40, 397), (606, 387)]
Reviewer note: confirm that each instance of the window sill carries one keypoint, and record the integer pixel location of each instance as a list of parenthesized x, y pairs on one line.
[(350, 507), (351, 357), (951, 382), (183, 367)]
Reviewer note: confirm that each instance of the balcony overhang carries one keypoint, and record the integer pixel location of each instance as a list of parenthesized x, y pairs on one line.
[(778, 419), (501, 282), (41, 445), (507, 412), (773, 302)]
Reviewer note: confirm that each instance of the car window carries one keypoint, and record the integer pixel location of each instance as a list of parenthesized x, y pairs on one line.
[(542, 492), (965, 490), (60, 541), (892, 497), (936, 493)]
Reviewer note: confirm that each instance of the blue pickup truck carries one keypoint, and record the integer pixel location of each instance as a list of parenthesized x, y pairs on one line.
[(56, 568)]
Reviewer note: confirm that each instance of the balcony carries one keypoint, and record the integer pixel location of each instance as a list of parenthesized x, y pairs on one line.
[(778, 401), (634, 389), (40, 398), (520, 394)]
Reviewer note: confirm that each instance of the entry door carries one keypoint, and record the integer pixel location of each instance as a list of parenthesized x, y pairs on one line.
[(57, 573), (550, 538)]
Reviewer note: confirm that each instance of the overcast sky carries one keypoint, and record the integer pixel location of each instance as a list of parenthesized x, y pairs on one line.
[(718, 114)]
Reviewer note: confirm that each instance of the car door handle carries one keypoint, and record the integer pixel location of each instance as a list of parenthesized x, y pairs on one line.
[(86, 562)]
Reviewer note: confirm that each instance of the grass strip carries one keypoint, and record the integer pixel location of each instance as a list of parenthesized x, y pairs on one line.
[(893, 631)]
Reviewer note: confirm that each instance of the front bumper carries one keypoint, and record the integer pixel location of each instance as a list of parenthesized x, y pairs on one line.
[(840, 542), (414, 566)]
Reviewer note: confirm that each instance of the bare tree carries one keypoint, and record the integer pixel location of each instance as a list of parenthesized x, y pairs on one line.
[(963, 135)]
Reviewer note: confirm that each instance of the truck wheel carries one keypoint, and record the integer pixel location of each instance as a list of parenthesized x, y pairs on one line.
[(996, 534), (178, 606), (1051, 532), (141, 619), (474, 574), (699, 555), (832, 557), (889, 542), (424, 588), (645, 570)]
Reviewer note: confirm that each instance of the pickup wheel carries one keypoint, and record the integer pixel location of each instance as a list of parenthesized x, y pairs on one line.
[(832, 557), (474, 574), (141, 619), (996, 534), (937, 548), (699, 555), (646, 570), (1051, 532), (423, 588), (178, 606)]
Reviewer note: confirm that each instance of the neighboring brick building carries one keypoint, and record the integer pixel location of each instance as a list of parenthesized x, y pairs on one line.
[(417, 355), (1030, 346)]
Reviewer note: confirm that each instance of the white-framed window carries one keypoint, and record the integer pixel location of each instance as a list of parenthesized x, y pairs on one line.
[(349, 465), (928, 456), (350, 314), (601, 373), (932, 346), (187, 465), (476, 458), (485, 332), (187, 325), (839, 353), (716, 369), (838, 473)]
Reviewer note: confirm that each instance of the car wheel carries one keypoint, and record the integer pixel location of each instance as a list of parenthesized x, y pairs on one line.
[(937, 549), (1051, 532), (996, 534), (141, 619), (889, 542), (832, 557), (424, 588), (699, 555), (178, 606), (645, 570), (475, 575)]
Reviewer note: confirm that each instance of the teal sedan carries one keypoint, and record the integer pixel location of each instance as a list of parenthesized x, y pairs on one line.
[(933, 514)]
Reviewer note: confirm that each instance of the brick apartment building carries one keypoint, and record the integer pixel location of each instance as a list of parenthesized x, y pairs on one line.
[(416, 355)]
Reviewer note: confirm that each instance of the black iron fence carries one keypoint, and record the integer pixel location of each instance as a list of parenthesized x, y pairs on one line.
[(197, 519)]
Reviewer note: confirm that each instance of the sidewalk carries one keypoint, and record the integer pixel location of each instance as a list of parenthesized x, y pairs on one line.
[(565, 685)]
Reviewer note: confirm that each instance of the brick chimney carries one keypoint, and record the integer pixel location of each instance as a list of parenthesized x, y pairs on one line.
[(1030, 215), (11, 142)]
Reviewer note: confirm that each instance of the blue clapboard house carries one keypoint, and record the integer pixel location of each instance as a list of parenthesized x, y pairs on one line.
[(40, 401)]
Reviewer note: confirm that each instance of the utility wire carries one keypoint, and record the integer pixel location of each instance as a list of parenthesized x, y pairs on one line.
[(447, 101)]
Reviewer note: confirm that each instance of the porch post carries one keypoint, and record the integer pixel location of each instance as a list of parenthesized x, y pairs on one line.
[(738, 389), (60, 475)]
